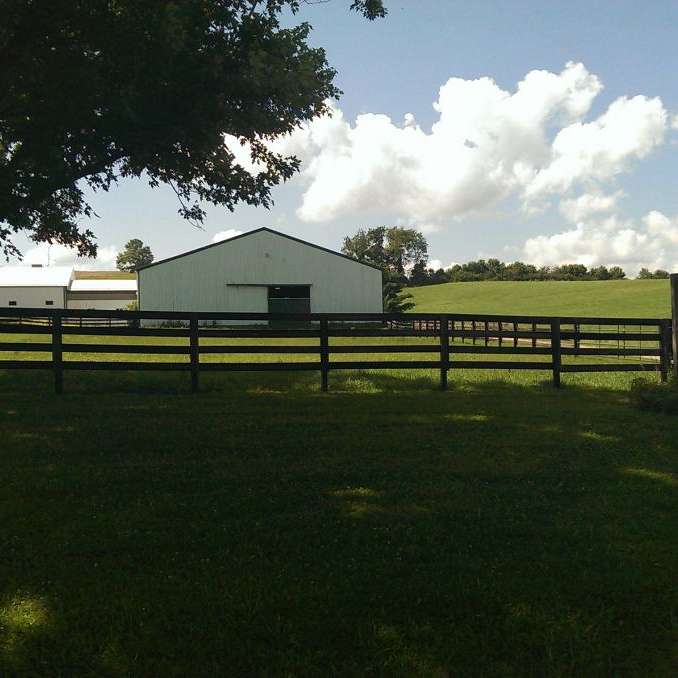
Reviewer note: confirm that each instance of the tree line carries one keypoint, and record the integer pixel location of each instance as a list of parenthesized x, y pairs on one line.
[(494, 269), (402, 256)]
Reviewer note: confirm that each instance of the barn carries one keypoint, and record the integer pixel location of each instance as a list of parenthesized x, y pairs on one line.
[(34, 286), (262, 271), (63, 287)]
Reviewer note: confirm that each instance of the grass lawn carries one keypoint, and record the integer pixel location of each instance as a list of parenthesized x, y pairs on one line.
[(615, 298), (385, 528)]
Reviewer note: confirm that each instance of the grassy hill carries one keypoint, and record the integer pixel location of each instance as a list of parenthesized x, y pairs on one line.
[(104, 275), (632, 298)]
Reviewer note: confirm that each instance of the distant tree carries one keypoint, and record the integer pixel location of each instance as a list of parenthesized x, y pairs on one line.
[(646, 274), (520, 271), (368, 245), (600, 273), (135, 255), (405, 247), (571, 272), (617, 273), (393, 249)]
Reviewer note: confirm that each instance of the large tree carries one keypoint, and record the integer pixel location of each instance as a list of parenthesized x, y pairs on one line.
[(95, 90), (393, 249), (135, 255)]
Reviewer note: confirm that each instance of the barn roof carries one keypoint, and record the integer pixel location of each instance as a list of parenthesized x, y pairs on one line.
[(248, 233), (101, 285), (35, 276)]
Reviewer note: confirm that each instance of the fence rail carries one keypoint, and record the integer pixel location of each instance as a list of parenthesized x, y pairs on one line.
[(638, 344)]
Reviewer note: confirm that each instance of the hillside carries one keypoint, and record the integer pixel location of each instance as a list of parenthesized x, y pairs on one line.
[(104, 275), (633, 298)]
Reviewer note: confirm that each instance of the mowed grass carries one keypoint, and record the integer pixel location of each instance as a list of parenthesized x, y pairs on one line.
[(385, 528), (614, 298)]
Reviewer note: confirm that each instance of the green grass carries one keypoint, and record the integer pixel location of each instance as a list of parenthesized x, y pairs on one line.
[(616, 298), (104, 275), (385, 528)]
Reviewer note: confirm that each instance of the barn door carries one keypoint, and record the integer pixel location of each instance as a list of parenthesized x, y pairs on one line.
[(289, 299)]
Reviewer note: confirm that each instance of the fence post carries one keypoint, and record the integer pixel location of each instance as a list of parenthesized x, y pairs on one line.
[(194, 353), (444, 351), (664, 349), (674, 322), (57, 353), (555, 351), (324, 355)]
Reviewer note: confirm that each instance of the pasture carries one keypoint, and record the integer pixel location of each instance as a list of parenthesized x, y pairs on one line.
[(261, 527), (626, 298)]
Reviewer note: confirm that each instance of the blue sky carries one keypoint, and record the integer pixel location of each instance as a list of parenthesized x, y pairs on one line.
[(581, 188)]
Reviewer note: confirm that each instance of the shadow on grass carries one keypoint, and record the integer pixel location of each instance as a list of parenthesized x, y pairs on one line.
[(261, 527)]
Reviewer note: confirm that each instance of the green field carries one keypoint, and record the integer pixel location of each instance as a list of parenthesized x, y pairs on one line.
[(615, 298), (385, 528), (261, 527)]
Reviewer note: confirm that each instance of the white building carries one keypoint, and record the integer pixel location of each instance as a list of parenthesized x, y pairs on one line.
[(63, 287), (34, 286), (259, 272), (101, 293)]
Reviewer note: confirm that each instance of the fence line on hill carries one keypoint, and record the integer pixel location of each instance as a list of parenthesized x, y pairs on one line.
[(645, 344)]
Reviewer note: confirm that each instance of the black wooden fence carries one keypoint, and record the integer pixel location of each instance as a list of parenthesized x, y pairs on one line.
[(532, 342)]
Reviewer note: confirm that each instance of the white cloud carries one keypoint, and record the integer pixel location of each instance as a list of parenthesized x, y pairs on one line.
[(225, 235), (487, 144), (60, 255), (609, 240), (588, 205), (601, 149), (661, 227)]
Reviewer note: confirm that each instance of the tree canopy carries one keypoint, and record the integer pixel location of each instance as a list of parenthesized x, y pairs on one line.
[(94, 90), (493, 269), (135, 255), (646, 274), (393, 249)]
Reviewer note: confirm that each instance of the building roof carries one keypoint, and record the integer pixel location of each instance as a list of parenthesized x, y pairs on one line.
[(248, 233), (35, 276), (111, 285)]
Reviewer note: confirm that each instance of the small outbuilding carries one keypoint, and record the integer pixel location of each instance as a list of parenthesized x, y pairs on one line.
[(109, 290), (62, 287), (262, 271), (34, 286)]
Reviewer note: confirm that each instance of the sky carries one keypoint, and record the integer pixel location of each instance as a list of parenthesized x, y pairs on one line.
[(539, 131)]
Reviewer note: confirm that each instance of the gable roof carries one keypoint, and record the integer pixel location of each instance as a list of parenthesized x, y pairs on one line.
[(258, 230), (101, 285), (35, 276)]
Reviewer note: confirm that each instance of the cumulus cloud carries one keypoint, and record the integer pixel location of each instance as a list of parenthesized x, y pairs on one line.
[(535, 143), (60, 255), (225, 235), (606, 239), (601, 149), (589, 204), (487, 144)]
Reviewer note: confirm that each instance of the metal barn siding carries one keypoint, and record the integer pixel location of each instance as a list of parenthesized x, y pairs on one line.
[(234, 275)]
